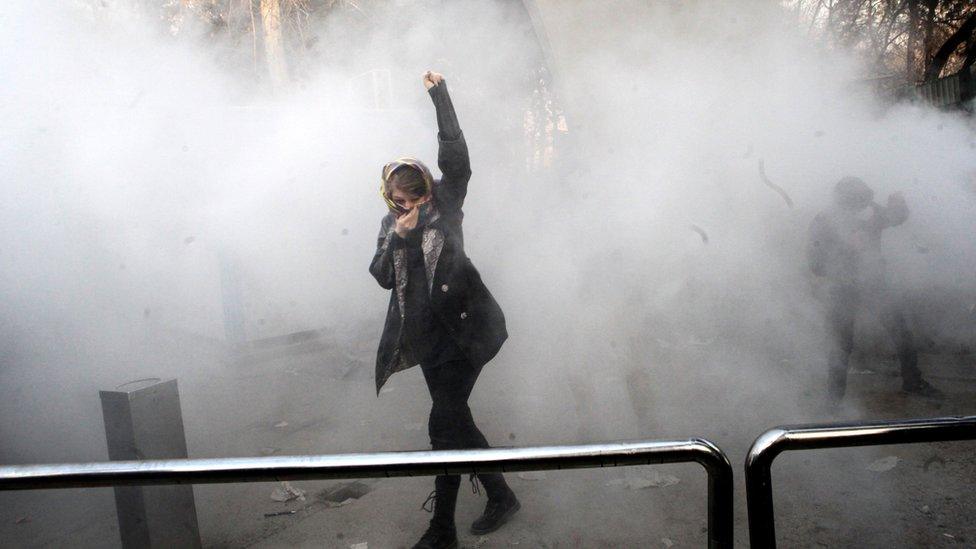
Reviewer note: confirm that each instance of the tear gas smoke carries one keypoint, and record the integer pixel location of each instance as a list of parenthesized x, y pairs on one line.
[(136, 171)]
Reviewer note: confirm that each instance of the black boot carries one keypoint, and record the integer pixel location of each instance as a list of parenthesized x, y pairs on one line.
[(836, 377), (437, 538), (911, 378), (495, 485), (502, 504), (922, 388), (442, 533)]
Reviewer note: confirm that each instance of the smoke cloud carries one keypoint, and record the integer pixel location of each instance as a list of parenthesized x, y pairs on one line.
[(654, 282)]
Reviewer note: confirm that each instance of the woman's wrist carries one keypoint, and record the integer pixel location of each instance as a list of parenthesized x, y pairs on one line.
[(447, 122)]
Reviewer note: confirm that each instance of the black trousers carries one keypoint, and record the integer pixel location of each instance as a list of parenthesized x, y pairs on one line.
[(452, 427), (843, 308)]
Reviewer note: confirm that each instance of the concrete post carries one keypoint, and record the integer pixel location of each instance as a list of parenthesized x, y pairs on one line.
[(143, 421)]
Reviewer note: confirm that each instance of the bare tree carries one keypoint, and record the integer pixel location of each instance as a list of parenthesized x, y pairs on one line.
[(273, 51), (962, 35), (896, 36)]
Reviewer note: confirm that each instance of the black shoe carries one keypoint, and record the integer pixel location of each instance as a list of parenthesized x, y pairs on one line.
[(922, 388), (836, 385), (496, 514), (438, 537)]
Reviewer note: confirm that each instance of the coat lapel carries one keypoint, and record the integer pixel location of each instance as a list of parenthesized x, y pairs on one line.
[(400, 275), (432, 245)]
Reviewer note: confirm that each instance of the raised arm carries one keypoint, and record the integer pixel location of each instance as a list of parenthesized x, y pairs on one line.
[(382, 266), (452, 153), (893, 214), (897, 211)]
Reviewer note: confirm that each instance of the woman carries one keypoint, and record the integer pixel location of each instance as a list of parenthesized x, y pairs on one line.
[(441, 315)]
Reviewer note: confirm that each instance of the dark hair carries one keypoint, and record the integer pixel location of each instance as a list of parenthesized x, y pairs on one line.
[(853, 193), (407, 179)]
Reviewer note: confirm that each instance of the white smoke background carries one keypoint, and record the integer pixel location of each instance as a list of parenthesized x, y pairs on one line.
[(672, 118), (132, 163)]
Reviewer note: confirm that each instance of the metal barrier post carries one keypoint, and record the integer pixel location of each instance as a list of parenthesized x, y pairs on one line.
[(391, 464), (759, 488), (143, 420), (719, 469)]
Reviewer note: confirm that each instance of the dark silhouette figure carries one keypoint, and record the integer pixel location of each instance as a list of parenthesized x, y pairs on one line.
[(845, 249)]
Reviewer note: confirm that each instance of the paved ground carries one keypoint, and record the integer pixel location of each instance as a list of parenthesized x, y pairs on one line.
[(323, 401)]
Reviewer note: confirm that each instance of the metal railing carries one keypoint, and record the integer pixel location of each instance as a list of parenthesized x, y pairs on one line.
[(393, 464), (759, 488)]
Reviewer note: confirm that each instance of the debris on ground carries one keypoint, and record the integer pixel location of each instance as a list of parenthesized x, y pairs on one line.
[(281, 513), (342, 503), (480, 542), (667, 542), (932, 460), (884, 464), (287, 492), (925, 509), (267, 451), (779, 190), (656, 480), (701, 232), (532, 475), (344, 494), (361, 545), (22, 520), (281, 425)]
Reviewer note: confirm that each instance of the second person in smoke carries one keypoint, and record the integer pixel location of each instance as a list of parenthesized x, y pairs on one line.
[(845, 249), (441, 316)]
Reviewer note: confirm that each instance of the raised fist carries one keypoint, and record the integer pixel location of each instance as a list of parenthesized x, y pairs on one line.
[(432, 79)]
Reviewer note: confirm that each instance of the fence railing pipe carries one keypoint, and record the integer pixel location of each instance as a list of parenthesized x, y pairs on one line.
[(759, 461), (393, 464)]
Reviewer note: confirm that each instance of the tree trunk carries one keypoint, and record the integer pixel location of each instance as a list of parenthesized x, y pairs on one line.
[(254, 39), (274, 53), (928, 48), (830, 19), (962, 34), (970, 59), (911, 45)]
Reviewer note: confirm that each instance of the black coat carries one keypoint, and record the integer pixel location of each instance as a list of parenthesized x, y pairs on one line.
[(458, 297), (846, 248)]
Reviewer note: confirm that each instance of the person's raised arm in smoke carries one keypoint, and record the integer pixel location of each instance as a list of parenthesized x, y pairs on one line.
[(452, 153), (894, 214)]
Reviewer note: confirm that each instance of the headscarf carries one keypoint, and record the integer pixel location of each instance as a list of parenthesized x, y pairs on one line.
[(391, 167)]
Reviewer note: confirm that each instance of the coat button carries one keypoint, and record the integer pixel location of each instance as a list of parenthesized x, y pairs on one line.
[(464, 315), (444, 288)]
